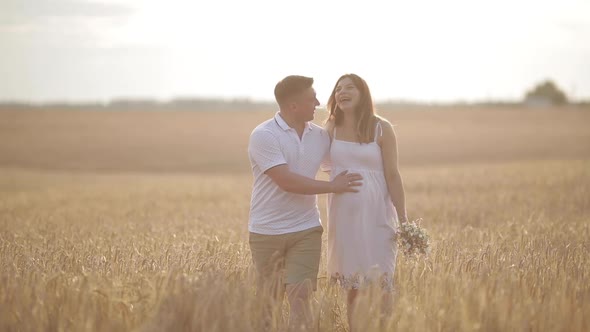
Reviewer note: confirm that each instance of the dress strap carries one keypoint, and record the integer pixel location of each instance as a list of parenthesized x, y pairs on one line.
[(378, 131)]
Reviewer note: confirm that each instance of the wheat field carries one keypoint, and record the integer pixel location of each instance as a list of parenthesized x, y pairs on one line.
[(137, 221)]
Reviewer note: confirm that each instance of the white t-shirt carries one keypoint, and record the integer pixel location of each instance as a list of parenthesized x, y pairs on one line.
[(272, 210)]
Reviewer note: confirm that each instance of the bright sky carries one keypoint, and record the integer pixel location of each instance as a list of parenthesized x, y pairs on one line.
[(422, 50)]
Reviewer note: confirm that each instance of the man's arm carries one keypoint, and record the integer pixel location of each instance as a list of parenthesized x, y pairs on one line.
[(299, 184), (265, 151)]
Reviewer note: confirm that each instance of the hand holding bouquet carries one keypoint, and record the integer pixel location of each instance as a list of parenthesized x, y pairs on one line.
[(412, 239)]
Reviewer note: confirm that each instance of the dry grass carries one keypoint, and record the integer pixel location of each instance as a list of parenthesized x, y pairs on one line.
[(216, 142), (119, 251)]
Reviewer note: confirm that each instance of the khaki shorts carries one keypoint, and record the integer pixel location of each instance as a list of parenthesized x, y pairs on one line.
[(292, 257)]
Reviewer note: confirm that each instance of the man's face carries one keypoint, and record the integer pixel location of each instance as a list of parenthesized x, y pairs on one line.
[(305, 104)]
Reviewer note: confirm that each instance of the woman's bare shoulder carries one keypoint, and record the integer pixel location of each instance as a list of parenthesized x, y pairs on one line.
[(330, 123), (329, 126), (384, 122), (386, 125), (387, 132)]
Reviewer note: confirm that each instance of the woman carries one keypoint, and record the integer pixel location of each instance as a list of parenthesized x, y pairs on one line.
[(362, 226)]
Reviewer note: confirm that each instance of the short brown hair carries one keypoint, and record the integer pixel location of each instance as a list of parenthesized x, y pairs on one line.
[(290, 86)]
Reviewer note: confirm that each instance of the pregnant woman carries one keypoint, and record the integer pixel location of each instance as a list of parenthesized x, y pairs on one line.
[(362, 226)]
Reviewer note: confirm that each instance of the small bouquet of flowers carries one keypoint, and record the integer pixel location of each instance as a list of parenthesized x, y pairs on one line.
[(412, 239)]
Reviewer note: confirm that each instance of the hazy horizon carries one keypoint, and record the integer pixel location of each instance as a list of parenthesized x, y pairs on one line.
[(459, 51)]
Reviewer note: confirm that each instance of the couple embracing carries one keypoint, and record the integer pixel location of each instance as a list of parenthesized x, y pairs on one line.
[(366, 196)]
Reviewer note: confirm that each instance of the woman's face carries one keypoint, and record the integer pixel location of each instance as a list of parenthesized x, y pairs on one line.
[(347, 95)]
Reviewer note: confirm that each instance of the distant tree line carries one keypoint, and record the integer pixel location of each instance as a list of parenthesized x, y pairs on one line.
[(181, 104), (544, 94)]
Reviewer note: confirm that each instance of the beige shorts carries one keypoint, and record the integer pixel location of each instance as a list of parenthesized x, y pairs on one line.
[(292, 257)]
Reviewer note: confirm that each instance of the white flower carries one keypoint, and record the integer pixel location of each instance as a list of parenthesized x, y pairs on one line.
[(413, 239)]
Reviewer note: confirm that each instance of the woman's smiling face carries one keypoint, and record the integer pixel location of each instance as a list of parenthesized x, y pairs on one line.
[(347, 95)]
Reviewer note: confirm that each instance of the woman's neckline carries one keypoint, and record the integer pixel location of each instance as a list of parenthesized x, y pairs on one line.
[(339, 140)]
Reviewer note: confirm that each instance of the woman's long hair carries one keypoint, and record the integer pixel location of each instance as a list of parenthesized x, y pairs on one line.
[(364, 112)]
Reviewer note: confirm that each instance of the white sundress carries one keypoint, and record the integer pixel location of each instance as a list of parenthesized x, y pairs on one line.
[(361, 226)]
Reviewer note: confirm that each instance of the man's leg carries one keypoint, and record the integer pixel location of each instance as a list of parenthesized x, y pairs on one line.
[(267, 256), (300, 316), (302, 262)]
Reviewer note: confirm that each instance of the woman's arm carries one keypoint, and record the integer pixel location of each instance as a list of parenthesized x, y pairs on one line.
[(326, 165), (395, 186)]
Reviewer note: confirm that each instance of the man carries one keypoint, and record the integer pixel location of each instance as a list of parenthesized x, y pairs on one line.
[(285, 230)]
